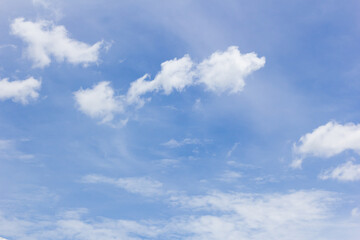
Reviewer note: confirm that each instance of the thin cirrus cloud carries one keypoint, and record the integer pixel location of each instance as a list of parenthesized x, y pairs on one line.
[(9, 151), (172, 143), (141, 185), (221, 72), (327, 141), (21, 91), (46, 41), (345, 172)]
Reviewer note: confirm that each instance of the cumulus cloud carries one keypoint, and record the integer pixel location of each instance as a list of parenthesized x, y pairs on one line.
[(141, 185), (46, 40), (345, 172), (327, 141), (225, 71), (175, 74), (99, 101), (22, 91), (221, 72)]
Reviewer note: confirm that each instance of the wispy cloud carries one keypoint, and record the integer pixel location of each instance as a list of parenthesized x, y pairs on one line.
[(8, 150), (141, 185), (296, 215), (230, 176), (172, 143), (232, 149)]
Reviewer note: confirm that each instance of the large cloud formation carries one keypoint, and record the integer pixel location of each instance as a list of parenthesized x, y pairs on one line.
[(221, 72)]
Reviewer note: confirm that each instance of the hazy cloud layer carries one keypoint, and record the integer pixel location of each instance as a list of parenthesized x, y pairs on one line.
[(298, 215)]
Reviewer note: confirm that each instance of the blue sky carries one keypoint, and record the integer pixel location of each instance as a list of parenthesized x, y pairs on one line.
[(179, 120)]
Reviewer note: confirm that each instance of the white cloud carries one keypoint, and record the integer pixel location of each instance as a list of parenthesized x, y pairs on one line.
[(141, 185), (230, 176), (222, 71), (73, 226), (175, 74), (52, 6), (21, 91), (225, 71), (172, 143), (298, 215), (328, 140), (46, 40), (99, 101), (232, 149), (297, 163), (355, 212), (8, 46), (345, 172), (8, 150)]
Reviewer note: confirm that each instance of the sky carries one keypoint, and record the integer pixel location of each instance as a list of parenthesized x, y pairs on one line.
[(199, 120)]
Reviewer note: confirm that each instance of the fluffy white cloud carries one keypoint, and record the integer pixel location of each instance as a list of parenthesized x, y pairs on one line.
[(175, 74), (141, 185), (21, 91), (225, 71), (46, 40), (222, 71), (345, 172), (327, 141), (99, 101)]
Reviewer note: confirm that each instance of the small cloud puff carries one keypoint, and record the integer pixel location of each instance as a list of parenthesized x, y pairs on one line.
[(46, 40), (327, 141), (22, 91), (99, 101)]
